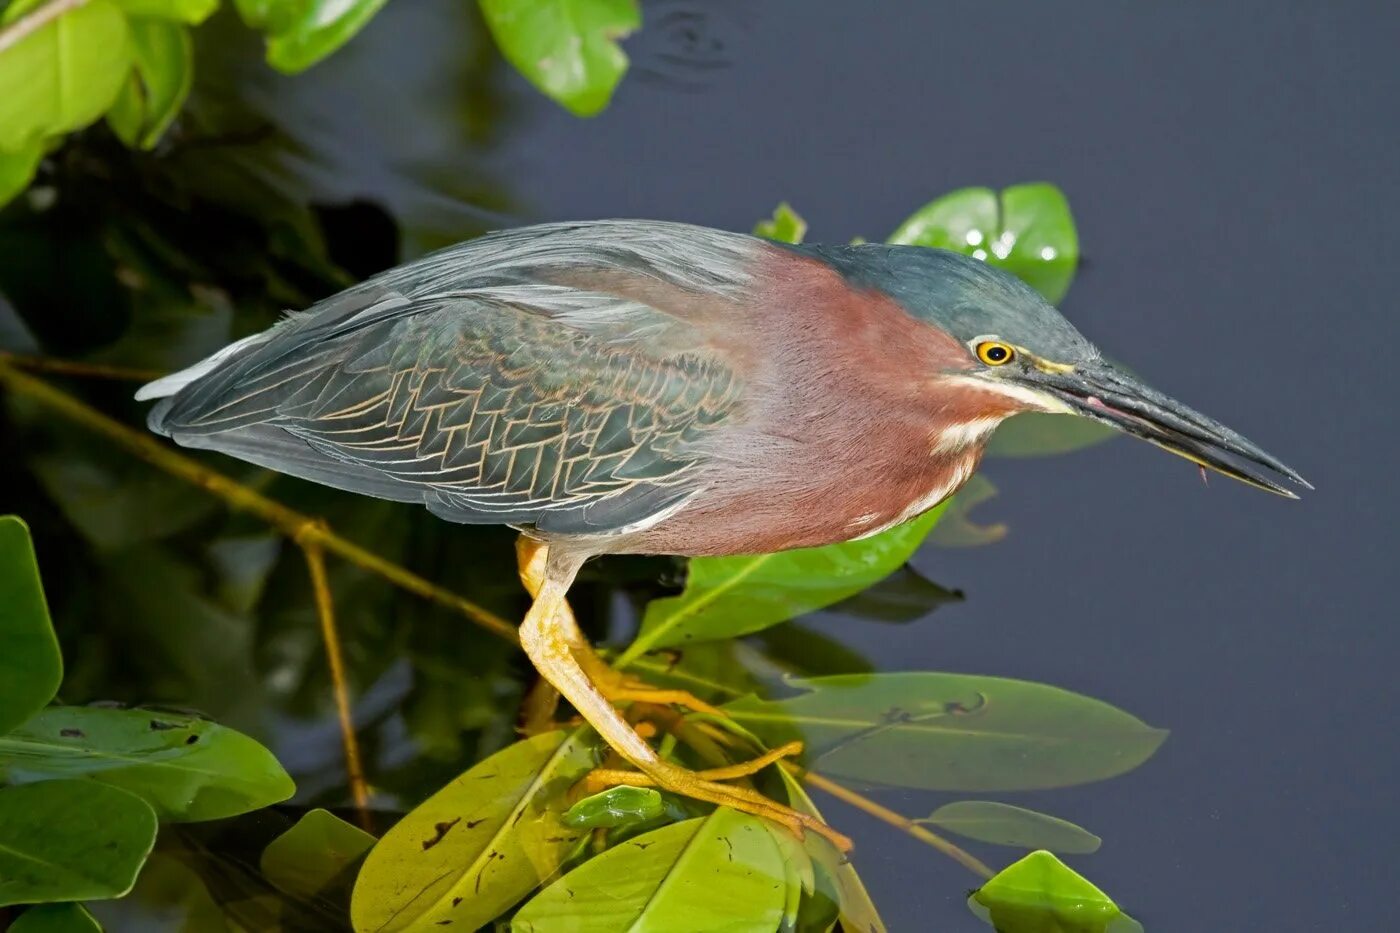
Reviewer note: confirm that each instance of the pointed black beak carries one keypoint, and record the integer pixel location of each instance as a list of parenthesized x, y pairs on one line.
[(1105, 393)]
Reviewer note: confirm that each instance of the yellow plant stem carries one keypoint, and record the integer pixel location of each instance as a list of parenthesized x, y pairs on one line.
[(53, 364)]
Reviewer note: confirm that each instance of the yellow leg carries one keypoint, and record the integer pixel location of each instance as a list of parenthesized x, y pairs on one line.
[(545, 636), (616, 686)]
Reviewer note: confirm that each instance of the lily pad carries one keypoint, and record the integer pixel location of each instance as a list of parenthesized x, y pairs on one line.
[(1025, 229), (720, 872), (31, 667), (1005, 825), (479, 845), (71, 840), (951, 732), (186, 768), (729, 596), (566, 48), (1040, 894)]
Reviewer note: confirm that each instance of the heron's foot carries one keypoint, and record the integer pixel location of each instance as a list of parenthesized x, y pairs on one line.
[(707, 785), (625, 688)]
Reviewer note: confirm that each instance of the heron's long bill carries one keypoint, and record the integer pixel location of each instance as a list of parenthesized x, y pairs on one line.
[(1102, 392)]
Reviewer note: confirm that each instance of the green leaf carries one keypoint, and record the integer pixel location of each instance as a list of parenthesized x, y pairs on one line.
[(1040, 894), (186, 768), (566, 48), (785, 226), (56, 918), (617, 806), (302, 32), (62, 76), (71, 840), (837, 882), (17, 170), (951, 732), (156, 90), (1004, 825), (1026, 229), (729, 596), (192, 12), (957, 529), (314, 855), (1036, 434), (479, 845), (720, 872), (31, 667)]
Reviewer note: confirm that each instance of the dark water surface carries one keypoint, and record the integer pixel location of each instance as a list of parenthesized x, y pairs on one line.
[(1232, 168)]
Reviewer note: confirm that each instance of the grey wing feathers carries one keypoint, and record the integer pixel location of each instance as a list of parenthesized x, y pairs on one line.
[(487, 397)]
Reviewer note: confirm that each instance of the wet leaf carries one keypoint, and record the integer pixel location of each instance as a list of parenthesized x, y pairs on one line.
[(314, 854), (302, 32), (720, 872), (186, 768), (951, 732), (62, 76), (31, 667), (192, 12), (729, 596), (785, 226), (957, 529), (566, 48), (17, 170), (1025, 229), (1040, 894), (56, 918), (617, 806), (838, 890), (1033, 434), (1004, 825), (479, 845), (156, 90), (71, 840)]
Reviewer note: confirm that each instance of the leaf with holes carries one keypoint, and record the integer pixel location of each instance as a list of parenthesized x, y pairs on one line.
[(71, 840), (1004, 825), (729, 596), (566, 48), (186, 768), (479, 845), (31, 667), (951, 732), (720, 872)]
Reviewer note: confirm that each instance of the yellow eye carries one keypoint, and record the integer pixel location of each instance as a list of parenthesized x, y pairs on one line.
[(994, 353)]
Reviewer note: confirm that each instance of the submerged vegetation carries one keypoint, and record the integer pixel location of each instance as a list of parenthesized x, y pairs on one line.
[(228, 632)]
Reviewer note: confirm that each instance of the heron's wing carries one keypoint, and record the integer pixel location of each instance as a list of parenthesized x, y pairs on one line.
[(508, 401)]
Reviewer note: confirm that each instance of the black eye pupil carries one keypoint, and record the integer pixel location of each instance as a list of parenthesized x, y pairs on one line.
[(996, 354)]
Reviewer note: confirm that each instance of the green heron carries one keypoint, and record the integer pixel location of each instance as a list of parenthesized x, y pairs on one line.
[(636, 387)]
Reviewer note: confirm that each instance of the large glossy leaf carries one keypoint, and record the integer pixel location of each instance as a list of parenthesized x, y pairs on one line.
[(192, 12), (302, 32), (479, 845), (184, 767), (729, 596), (156, 90), (836, 881), (17, 170), (1005, 825), (62, 76), (952, 732), (1025, 229), (71, 840), (1040, 893), (314, 855), (56, 918), (720, 872), (566, 48), (31, 667)]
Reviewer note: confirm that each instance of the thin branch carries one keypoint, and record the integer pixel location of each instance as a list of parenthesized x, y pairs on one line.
[(53, 364), (290, 522), (16, 32), (325, 612), (885, 814)]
